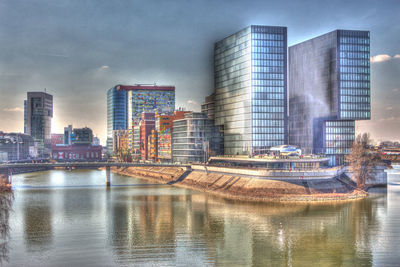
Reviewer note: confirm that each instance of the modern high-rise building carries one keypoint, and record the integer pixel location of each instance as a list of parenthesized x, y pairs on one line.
[(250, 72), (37, 115), (125, 104), (329, 89)]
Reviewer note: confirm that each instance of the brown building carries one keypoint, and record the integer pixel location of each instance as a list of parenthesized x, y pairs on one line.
[(147, 124)]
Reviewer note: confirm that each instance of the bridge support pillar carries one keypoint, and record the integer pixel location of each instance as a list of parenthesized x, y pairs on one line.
[(108, 176)]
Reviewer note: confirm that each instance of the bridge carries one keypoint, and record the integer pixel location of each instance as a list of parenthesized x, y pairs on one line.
[(7, 169)]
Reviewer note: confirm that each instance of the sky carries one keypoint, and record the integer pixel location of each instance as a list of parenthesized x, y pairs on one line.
[(78, 49)]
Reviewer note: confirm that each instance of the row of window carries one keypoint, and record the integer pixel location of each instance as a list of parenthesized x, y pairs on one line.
[(269, 89), (268, 69), (257, 102), (339, 137), (347, 84), (355, 99), (337, 151), (353, 47), (363, 92), (268, 109), (354, 62), (263, 136), (267, 56), (344, 69), (355, 107), (269, 82), (354, 40), (268, 143), (266, 123), (269, 130), (269, 63), (339, 123), (267, 96), (355, 55), (340, 130), (267, 36), (355, 77), (257, 116), (355, 114), (261, 46), (270, 76)]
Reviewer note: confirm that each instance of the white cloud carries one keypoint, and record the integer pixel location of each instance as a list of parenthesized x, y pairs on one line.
[(16, 109), (191, 102), (380, 58), (389, 108), (397, 56), (105, 67), (395, 89)]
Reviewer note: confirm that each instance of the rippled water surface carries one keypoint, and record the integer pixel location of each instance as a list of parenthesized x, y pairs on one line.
[(64, 218)]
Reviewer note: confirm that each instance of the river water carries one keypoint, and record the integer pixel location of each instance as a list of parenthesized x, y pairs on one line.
[(69, 218)]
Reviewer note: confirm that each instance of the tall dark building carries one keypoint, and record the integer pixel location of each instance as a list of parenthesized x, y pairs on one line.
[(38, 113), (251, 89), (329, 89)]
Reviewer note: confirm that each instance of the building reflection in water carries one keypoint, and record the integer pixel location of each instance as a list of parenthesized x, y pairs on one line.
[(169, 228)]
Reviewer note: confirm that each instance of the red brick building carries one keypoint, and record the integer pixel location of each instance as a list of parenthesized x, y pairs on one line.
[(57, 139), (76, 152)]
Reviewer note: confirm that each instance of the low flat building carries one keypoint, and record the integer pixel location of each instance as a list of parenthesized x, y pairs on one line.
[(73, 152)]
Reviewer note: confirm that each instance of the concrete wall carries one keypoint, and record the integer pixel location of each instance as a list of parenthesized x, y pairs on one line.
[(317, 174)]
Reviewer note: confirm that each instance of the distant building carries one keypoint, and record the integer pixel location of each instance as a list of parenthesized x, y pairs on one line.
[(250, 72), (195, 138), (208, 106), (37, 114), (96, 141), (125, 104), (147, 124), (16, 146), (329, 91), (161, 136), (57, 139), (78, 152), (121, 142), (82, 136), (67, 135)]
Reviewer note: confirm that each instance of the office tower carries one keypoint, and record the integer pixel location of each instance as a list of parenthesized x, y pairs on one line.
[(195, 138), (38, 114), (67, 135), (82, 136), (329, 89), (125, 104), (251, 89), (208, 106)]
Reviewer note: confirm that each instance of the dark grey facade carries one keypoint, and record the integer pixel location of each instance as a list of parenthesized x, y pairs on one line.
[(194, 137), (38, 113), (329, 88), (250, 72)]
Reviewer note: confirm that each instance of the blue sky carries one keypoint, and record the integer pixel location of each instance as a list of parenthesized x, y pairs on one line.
[(78, 49)]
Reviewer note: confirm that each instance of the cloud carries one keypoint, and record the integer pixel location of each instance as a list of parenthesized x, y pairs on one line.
[(397, 56), (191, 102), (16, 109), (105, 67), (395, 89), (390, 119), (389, 108), (380, 58)]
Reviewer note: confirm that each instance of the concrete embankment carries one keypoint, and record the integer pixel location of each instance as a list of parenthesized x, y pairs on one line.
[(245, 188)]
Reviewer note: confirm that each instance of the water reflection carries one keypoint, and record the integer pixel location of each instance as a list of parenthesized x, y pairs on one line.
[(163, 225)]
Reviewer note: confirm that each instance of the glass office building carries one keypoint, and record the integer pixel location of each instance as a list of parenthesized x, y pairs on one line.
[(329, 88), (117, 113), (251, 89)]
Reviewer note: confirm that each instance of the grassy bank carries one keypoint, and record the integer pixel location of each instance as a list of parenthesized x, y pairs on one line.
[(245, 188)]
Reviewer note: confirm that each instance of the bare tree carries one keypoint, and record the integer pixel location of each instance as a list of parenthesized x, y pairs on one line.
[(6, 199), (362, 161)]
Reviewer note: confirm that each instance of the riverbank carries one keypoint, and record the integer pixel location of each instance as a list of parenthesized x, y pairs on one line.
[(238, 187)]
